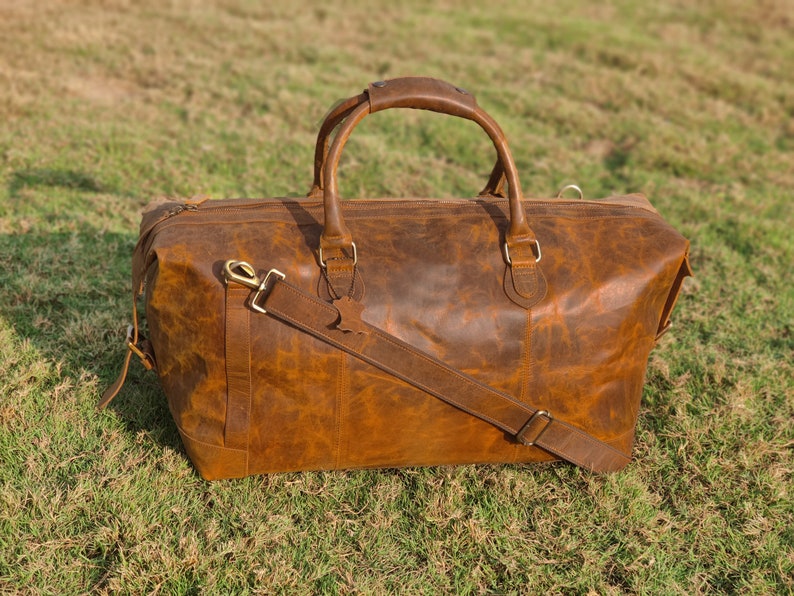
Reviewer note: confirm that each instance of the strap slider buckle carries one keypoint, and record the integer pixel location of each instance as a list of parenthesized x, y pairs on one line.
[(539, 416), (146, 360), (263, 288)]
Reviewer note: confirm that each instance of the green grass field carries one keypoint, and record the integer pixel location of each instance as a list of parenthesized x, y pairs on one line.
[(106, 105)]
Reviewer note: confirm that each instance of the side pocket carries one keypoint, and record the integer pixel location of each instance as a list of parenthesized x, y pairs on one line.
[(683, 272)]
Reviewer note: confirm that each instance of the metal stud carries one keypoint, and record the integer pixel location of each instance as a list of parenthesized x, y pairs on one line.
[(379, 84)]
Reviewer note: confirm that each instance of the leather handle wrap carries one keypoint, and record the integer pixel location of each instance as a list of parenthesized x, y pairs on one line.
[(426, 94), (422, 93)]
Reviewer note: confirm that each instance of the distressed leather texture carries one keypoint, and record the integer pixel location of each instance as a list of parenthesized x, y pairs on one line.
[(458, 280)]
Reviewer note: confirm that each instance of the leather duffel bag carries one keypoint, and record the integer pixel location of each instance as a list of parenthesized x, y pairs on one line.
[(308, 334)]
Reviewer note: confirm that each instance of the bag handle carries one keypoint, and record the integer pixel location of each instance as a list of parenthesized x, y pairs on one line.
[(338, 113), (521, 246), (493, 188), (425, 94)]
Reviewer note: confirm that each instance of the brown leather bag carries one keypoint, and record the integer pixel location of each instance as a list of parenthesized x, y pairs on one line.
[(306, 334)]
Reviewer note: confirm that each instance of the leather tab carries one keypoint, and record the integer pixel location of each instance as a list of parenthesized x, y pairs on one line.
[(341, 277), (524, 281), (525, 286), (350, 315)]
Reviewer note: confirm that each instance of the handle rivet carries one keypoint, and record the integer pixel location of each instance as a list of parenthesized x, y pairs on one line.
[(461, 90), (379, 84)]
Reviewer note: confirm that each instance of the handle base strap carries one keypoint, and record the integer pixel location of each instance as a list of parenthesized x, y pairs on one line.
[(524, 281), (403, 361)]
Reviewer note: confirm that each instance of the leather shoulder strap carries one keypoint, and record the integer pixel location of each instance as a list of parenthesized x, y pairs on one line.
[(392, 355)]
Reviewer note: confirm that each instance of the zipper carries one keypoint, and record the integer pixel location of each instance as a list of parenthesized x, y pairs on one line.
[(204, 206), (179, 209), (264, 204)]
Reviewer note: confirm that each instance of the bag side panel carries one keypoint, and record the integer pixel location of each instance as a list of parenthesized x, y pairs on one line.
[(608, 283), (184, 314)]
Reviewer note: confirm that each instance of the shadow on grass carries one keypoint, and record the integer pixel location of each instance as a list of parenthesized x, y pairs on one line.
[(68, 294), (52, 177)]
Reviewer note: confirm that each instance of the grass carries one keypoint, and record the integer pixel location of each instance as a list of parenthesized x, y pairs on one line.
[(106, 105)]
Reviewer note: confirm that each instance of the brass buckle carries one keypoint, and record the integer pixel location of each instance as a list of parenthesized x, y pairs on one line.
[(145, 359), (355, 256), (263, 288), (537, 251), (520, 434)]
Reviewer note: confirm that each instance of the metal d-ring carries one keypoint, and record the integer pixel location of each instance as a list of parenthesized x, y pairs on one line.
[(570, 187), (355, 256)]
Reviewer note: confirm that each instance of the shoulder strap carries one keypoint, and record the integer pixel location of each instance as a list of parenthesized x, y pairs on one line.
[(392, 355)]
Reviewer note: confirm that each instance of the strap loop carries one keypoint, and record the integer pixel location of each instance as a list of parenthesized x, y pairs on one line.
[(541, 415)]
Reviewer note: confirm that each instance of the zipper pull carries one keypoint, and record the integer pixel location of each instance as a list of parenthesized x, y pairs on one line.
[(181, 208), (197, 200), (191, 204)]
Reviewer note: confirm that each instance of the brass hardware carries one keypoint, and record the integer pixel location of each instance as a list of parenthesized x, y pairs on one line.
[(570, 187), (355, 256), (537, 250), (263, 288), (147, 362), (520, 434), (248, 277)]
